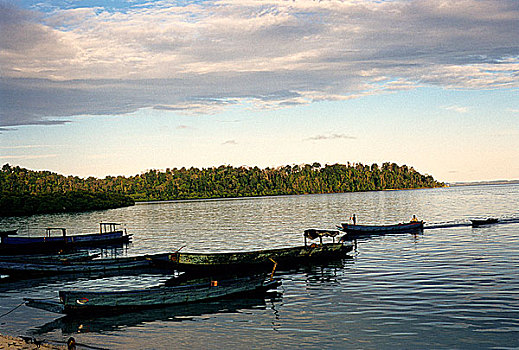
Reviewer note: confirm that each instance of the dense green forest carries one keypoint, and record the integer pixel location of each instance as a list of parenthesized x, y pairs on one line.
[(15, 204), (24, 188)]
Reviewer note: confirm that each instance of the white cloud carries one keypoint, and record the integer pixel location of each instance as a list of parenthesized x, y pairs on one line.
[(202, 57), (330, 137), (230, 142), (457, 109), (25, 157)]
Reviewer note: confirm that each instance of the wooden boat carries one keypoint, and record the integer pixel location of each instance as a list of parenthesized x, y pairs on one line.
[(94, 323), (11, 243), (83, 255), (29, 268), (81, 302), (488, 221), (366, 230), (245, 260)]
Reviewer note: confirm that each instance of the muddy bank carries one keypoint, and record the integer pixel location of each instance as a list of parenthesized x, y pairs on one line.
[(8, 342)]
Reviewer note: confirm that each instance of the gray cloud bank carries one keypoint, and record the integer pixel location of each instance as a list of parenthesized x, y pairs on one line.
[(201, 57)]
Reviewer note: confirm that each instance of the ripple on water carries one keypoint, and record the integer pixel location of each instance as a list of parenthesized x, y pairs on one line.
[(450, 287)]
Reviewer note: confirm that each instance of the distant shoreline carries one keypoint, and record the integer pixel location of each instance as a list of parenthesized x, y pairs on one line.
[(486, 183), (273, 196)]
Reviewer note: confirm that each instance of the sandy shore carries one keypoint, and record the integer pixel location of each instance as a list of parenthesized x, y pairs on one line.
[(8, 342)]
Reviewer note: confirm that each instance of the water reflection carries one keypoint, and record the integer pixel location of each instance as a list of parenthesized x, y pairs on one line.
[(452, 286)]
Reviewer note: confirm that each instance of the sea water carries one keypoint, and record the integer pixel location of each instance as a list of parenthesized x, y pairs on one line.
[(452, 286)]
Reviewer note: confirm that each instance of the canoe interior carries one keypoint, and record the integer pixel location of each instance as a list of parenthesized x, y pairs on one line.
[(262, 259)]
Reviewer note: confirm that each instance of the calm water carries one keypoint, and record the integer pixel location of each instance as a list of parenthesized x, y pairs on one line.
[(451, 287)]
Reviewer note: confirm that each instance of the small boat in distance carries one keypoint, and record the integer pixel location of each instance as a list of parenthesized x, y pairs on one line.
[(87, 302), (109, 233), (367, 230), (488, 221)]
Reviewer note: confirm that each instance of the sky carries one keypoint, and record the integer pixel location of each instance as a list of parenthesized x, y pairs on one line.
[(117, 87)]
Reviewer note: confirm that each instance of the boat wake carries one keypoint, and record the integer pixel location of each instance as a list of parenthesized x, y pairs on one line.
[(446, 225), (458, 223)]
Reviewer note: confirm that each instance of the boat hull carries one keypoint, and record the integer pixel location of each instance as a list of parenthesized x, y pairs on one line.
[(34, 268), (11, 245), (360, 230), (481, 222), (84, 302)]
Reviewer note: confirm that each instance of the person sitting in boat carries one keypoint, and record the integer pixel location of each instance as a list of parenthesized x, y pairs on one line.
[(414, 219)]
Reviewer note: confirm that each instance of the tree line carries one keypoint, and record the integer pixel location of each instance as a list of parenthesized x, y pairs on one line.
[(19, 185)]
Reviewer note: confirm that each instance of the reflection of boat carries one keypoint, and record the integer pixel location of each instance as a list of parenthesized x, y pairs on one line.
[(488, 221), (11, 243), (29, 267), (91, 323), (361, 230), (246, 260), (82, 302)]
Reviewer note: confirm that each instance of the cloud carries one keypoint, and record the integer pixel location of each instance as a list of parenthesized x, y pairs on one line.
[(330, 137), (19, 157), (30, 146), (457, 109), (204, 56), (230, 142)]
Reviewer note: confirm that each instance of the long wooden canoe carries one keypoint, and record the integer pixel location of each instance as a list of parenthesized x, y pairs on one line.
[(11, 243), (83, 255), (70, 324), (31, 268), (81, 302), (361, 230), (244, 260)]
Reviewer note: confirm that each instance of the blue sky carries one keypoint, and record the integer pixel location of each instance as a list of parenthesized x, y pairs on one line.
[(96, 88)]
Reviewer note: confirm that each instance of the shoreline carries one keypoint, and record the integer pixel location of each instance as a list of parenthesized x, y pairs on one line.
[(10, 342)]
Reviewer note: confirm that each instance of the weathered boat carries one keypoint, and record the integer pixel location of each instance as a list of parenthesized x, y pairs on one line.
[(70, 324), (109, 233), (366, 230), (30, 268), (82, 255), (84, 302), (245, 260), (480, 222)]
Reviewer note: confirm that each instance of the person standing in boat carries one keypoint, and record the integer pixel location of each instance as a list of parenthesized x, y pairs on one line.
[(354, 219)]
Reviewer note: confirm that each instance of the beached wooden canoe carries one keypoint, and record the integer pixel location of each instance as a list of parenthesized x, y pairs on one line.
[(480, 222), (83, 302), (244, 260), (11, 243), (34, 268), (366, 230)]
